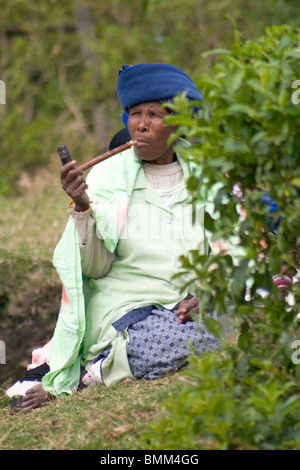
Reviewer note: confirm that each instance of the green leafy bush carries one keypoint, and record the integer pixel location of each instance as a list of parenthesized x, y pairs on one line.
[(223, 406), (246, 140)]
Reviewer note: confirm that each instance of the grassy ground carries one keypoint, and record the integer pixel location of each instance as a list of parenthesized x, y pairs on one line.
[(31, 224), (97, 418)]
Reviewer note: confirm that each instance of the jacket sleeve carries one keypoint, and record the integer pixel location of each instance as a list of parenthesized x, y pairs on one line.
[(96, 260)]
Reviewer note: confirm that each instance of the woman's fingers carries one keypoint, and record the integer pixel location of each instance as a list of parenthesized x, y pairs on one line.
[(185, 308), (73, 182)]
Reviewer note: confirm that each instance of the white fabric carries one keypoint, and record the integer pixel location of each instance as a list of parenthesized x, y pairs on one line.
[(165, 179)]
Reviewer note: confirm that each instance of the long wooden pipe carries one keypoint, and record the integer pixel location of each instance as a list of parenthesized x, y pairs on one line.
[(65, 156)]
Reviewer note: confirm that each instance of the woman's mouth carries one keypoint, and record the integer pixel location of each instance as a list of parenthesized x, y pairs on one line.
[(142, 143)]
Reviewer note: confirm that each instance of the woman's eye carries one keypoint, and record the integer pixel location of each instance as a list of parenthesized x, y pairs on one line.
[(155, 116), (150, 115)]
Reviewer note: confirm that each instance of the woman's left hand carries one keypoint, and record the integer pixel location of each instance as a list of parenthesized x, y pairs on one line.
[(186, 307)]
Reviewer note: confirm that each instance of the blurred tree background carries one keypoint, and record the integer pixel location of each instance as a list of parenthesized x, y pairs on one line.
[(60, 62)]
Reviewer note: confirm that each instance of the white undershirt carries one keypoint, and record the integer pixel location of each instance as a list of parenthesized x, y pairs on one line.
[(165, 179)]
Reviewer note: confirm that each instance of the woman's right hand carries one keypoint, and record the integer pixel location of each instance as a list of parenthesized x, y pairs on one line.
[(186, 308), (74, 185)]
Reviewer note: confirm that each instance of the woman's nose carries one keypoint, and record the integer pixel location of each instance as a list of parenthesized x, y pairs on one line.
[(143, 123)]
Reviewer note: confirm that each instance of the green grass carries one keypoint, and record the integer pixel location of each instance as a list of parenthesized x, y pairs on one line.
[(97, 418), (31, 223)]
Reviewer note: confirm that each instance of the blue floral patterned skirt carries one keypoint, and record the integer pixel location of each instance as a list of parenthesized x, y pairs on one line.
[(159, 344)]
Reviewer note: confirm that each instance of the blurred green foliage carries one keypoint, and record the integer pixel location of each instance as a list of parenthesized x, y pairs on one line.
[(60, 61)]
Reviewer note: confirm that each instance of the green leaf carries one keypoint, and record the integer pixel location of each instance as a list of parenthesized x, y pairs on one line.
[(214, 326)]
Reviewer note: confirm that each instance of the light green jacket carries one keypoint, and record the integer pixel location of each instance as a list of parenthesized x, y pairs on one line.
[(147, 238)]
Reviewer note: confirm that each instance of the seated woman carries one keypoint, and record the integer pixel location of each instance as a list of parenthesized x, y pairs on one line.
[(123, 314)]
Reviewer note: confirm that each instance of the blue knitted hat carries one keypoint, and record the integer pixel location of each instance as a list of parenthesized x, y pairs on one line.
[(153, 82)]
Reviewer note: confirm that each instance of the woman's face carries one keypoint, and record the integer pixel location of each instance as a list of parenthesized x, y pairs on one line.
[(146, 125)]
